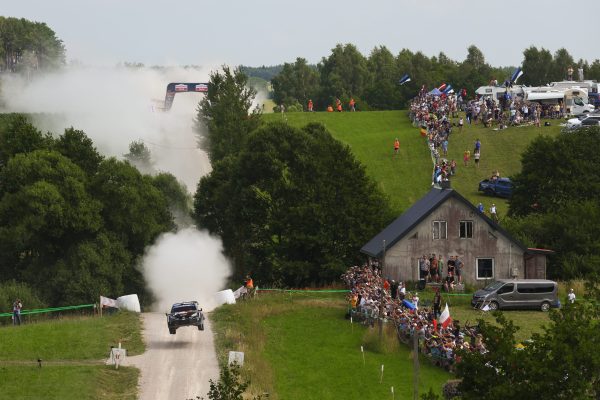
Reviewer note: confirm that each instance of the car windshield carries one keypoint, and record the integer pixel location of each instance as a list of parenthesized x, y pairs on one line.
[(187, 307), (493, 286)]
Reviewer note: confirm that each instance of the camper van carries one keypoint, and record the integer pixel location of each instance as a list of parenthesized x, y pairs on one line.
[(575, 100), (537, 294)]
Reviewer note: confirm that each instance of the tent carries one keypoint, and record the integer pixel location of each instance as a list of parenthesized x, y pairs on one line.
[(436, 92)]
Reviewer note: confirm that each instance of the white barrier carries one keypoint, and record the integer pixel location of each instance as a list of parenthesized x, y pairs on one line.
[(130, 302), (224, 297)]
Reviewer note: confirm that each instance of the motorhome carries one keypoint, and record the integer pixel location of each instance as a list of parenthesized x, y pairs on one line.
[(574, 100)]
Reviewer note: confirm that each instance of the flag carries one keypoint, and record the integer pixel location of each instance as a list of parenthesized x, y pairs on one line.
[(448, 90), (435, 325), (404, 79), (516, 75), (442, 87), (445, 318)]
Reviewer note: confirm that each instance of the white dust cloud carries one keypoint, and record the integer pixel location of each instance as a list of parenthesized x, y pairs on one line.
[(185, 266), (116, 106)]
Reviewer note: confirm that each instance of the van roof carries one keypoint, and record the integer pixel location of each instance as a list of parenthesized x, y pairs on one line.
[(525, 281)]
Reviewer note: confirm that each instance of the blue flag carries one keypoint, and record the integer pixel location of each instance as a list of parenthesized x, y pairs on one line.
[(404, 79), (516, 75)]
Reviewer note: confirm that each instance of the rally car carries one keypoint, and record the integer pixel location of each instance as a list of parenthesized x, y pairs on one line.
[(185, 314)]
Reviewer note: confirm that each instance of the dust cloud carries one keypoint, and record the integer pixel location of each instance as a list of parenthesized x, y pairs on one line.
[(116, 106), (184, 266)]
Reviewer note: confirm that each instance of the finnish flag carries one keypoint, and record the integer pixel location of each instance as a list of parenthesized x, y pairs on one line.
[(516, 75)]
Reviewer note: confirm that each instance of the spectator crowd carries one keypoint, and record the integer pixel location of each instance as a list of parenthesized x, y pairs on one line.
[(369, 291)]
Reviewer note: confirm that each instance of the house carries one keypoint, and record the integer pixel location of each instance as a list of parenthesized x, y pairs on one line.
[(445, 223)]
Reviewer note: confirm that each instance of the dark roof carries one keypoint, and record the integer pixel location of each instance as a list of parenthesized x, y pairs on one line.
[(402, 225)]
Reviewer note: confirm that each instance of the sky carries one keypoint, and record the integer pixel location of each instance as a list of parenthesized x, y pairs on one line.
[(269, 32)]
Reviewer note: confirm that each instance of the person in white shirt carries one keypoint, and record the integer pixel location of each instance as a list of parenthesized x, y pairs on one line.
[(571, 296)]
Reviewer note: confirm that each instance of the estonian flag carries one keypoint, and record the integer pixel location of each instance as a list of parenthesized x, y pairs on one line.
[(516, 75), (445, 318), (404, 79), (448, 90)]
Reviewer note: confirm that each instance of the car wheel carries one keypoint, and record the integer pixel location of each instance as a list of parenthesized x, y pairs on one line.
[(172, 331), (545, 306), (493, 306)]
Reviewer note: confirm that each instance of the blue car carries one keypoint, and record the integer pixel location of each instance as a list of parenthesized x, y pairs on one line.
[(501, 187)]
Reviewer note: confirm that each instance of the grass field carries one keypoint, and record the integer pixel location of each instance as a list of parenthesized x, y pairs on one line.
[(71, 351), (68, 383), (301, 347), (405, 179), (71, 339)]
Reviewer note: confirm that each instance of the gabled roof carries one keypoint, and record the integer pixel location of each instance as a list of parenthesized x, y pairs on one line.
[(402, 225)]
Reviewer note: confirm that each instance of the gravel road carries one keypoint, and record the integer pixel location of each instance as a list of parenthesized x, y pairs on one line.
[(175, 367)]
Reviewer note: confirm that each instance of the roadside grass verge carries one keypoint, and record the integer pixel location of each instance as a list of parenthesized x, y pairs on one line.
[(68, 383), (407, 178), (301, 347), (72, 339)]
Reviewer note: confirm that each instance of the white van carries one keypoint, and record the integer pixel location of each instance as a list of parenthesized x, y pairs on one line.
[(537, 294)]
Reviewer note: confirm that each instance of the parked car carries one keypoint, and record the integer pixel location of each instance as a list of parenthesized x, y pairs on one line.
[(591, 119), (185, 314), (500, 187), (539, 294)]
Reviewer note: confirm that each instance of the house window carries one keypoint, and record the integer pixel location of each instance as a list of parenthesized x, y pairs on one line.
[(466, 229), (485, 268), (440, 230)]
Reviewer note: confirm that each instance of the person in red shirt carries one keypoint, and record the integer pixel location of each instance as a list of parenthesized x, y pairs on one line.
[(396, 147), (338, 104), (310, 105), (352, 104)]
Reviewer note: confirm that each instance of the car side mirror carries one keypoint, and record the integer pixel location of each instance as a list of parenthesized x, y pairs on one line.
[(167, 314)]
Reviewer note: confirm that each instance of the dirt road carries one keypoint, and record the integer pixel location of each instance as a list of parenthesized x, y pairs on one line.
[(175, 366)]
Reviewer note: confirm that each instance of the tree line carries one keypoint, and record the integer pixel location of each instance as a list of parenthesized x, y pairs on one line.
[(73, 223), (373, 81), (27, 45), (292, 206)]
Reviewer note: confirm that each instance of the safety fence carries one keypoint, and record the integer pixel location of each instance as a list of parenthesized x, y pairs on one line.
[(49, 310)]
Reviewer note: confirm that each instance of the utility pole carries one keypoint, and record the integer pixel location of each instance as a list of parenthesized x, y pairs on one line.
[(382, 295)]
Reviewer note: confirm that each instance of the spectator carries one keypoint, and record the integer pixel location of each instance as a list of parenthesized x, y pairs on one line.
[(466, 157), (480, 207), (352, 104), (310, 105), (493, 213), (476, 156), (17, 306), (477, 146), (458, 266), (396, 146), (571, 296)]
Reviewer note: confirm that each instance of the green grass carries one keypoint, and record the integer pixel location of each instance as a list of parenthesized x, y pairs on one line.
[(68, 382), (69, 349), (407, 178), (370, 135), (315, 354), (301, 347), (72, 339)]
